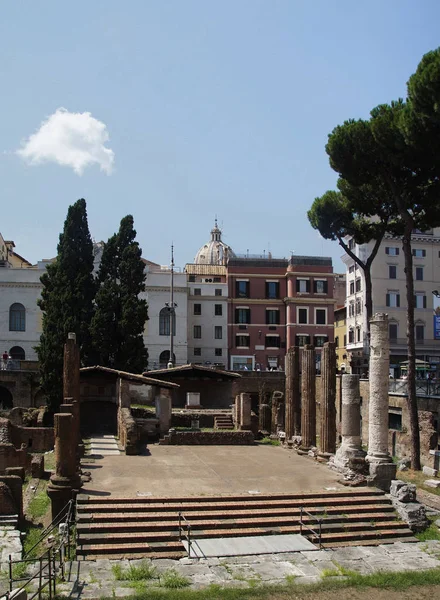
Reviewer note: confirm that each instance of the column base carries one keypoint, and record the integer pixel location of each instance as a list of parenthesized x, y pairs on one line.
[(381, 474), (349, 458), (59, 497)]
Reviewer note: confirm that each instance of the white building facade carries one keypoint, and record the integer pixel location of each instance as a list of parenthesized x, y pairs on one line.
[(389, 296)]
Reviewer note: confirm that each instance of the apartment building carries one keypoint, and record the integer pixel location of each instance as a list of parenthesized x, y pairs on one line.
[(389, 296)]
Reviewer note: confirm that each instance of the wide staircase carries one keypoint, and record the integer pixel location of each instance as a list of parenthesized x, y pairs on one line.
[(223, 422), (137, 527)]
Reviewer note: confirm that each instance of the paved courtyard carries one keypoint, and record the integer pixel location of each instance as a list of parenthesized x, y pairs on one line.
[(185, 470)]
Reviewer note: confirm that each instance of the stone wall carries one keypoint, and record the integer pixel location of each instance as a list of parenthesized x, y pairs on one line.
[(23, 385), (128, 431), (37, 439), (209, 438), (11, 457)]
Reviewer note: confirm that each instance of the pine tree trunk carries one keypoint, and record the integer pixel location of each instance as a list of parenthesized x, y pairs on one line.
[(410, 332)]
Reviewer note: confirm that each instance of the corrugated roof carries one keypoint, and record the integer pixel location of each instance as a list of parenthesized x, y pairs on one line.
[(191, 367), (130, 376)]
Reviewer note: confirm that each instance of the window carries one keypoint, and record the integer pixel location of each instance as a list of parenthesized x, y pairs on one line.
[(303, 315), (351, 243), (191, 278), (395, 418), (197, 292), (420, 301), (393, 299), (197, 309), (345, 339), (358, 334), (351, 269), (17, 353), (303, 286), (272, 289), (242, 289), (272, 316), (243, 315), (392, 251), (320, 286), (358, 285), (217, 279), (420, 333), (320, 316), (392, 271), (218, 351), (419, 273), (164, 322), (17, 317), (337, 342), (392, 328), (351, 336), (197, 352), (419, 253), (302, 340), (218, 291), (272, 341), (197, 332), (218, 332), (358, 306), (218, 310), (351, 287), (351, 309), (242, 341), (320, 340)]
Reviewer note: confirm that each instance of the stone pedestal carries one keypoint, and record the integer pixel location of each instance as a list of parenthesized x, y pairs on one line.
[(245, 412), (293, 394), (163, 410), (66, 481), (308, 405), (71, 365), (265, 419), (327, 440), (382, 468), (350, 455)]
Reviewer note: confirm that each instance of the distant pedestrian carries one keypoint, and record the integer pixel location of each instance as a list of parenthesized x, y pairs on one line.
[(5, 357)]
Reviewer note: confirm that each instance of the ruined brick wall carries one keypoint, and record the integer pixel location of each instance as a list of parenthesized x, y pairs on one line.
[(5, 431), (128, 431), (11, 457), (37, 439), (15, 485), (210, 438)]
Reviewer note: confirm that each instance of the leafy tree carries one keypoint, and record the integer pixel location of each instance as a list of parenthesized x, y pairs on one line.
[(120, 315), (66, 301), (338, 215)]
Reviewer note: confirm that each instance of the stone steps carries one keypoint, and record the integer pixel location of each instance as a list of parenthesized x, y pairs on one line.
[(223, 422), (129, 527)]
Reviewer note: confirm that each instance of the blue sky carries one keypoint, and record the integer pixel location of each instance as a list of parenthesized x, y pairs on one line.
[(210, 108)]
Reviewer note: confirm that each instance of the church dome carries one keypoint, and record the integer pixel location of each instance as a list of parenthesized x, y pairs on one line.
[(214, 252)]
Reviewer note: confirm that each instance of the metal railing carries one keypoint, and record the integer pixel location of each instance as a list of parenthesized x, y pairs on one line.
[(51, 564), (188, 532), (10, 364), (317, 534), (423, 387)]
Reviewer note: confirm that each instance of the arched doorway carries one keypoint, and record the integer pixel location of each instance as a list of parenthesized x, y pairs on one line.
[(6, 400), (164, 359), (17, 353)]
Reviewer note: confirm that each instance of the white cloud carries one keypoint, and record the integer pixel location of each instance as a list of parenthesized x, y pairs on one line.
[(70, 139)]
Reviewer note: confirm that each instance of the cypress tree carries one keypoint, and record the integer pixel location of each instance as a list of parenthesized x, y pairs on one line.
[(120, 314), (66, 301)]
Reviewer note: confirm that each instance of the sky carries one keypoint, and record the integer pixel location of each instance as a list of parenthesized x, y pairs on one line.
[(178, 111)]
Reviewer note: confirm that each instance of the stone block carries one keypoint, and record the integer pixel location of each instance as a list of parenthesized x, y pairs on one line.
[(413, 513), (430, 472), (382, 474), (404, 464), (434, 483), (403, 492), (37, 466)]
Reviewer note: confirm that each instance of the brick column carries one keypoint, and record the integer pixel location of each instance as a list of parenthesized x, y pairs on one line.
[(66, 481), (382, 468), (308, 389), (350, 453), (71, 365), (327, 440), (293, 395)]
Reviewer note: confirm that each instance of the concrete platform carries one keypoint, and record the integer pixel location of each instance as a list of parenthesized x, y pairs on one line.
[(248, 546), (207, 470)]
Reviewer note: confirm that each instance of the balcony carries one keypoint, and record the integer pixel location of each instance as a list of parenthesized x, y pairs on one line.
[(423, 387)]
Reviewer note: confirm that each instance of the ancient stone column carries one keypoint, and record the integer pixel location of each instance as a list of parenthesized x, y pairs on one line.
[(327, 440), (308, 389), (245, 411), (71, 388), (350, 453), (293, 395), (277, 398), (265, 418), (164, 409), (382, 468), (66, 480), (236, 411), (70, 406)]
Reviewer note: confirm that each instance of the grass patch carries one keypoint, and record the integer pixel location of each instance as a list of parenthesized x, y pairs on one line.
[(330, 573), (49, 461), (40, 503), (31, 537), (173, 580), (419, 478), (290, 591), (431, 533), (19, 571), (141, 572), (269, 442)]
